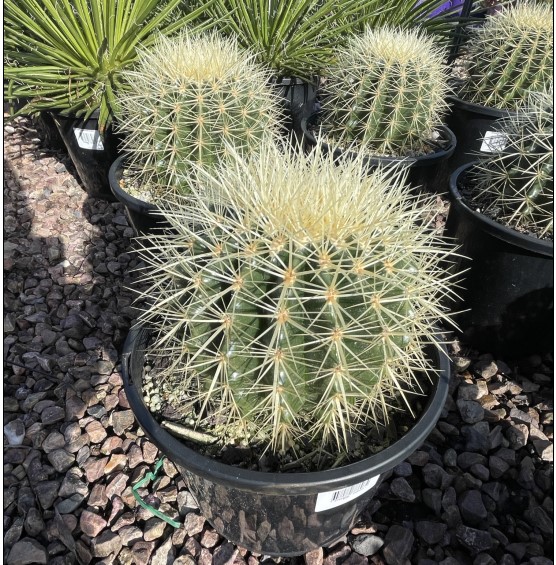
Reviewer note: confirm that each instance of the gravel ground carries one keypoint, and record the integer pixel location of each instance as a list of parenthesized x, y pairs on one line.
[(478, 492)]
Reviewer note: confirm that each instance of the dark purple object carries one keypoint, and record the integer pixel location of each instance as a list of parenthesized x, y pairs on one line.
[(453, 7)]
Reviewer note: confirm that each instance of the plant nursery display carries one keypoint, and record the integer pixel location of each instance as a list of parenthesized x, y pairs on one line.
[(502, 214), (511, 54), (188, 98), (385, 96), (295, 309), (67, 57)]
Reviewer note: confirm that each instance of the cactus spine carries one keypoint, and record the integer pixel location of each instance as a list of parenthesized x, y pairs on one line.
[(189, 96), (304, 301), (387, 91), (512, 53), (518, 181)]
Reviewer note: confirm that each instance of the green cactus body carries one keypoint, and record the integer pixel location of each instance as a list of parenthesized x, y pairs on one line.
[(518, 180), (387, 91), (189, 96), (307, 303), (511, 54)]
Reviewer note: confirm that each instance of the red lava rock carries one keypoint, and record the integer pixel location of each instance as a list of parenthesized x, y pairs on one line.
[(193, 523), (94, 468), (92, 524), (126, 519), (117, 506), (116, 485), (122, 399), (75, 408), (122, 420), (142, 551), (96, 431), (117, 462), (150, 452), (315, 557), (205, 557), (106, 543), (98, 497), (209, 539), (111, 444), (130, 534)]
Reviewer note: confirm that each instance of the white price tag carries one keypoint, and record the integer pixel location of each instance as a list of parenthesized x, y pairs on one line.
[(88, 139), (327, 500), (493, 141)]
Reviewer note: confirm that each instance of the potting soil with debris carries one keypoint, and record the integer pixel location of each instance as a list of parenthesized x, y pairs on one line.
[(478, 492)]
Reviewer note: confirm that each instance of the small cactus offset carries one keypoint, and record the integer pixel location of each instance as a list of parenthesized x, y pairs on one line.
[(518, 180), (302, 303), (189, 96), (512, 53), (387, 91)]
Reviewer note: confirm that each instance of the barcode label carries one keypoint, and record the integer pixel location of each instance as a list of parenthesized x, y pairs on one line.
[(88, 139), (493, 141), (327, 500)]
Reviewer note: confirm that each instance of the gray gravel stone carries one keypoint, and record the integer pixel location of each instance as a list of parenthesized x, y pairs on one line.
[(367, 544), (473, 539), (61, 460), (27, 551), (401, 489), (34, 524), (15, 432), (398, 544), (47, 492), (430, 532), (52, 414), (470, 411), (472, 508)]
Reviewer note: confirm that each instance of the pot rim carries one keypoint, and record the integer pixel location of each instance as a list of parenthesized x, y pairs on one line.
[(489, 111), (524, 241), (124, 197), (413, 162), (284, 483)]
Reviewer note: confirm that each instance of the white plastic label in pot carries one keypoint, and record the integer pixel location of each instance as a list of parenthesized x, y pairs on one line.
[(494, 141), (331, 499), (88, 139)]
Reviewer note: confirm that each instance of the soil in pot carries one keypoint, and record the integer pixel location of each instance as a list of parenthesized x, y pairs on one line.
[(144, 217)]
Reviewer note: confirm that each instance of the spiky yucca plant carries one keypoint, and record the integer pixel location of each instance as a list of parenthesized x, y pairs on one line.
[(188, 97), (513, 52), (387, 91), (518, 180), (303, 298)]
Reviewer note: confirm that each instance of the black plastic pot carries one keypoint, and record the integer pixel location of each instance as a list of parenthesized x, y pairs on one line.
[(423, 170), (470, 124), (47, 130), (91, 153), (144, 217), (280, 514), (299, 98), (509, 287)]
